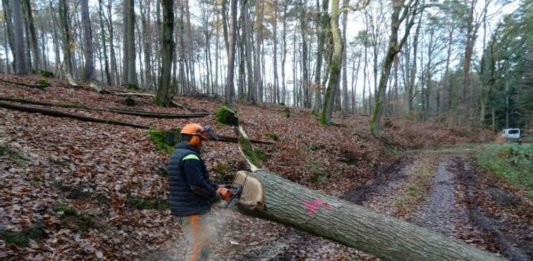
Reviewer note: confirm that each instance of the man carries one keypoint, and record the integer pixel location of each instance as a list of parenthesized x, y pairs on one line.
[(191, 191)]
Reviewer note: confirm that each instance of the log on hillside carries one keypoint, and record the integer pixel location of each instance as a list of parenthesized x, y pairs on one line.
[(55, 113), (283, 201), (80, 106), (36, 86)]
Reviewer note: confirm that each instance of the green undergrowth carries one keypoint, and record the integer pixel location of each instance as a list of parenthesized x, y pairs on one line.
[(148, 203), (71, 219), (12, 154), (165, 141), (43, 83), (273, 135), (22, 238), (512, 162), (228, 116)]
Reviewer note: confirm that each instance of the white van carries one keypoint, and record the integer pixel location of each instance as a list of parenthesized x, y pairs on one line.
[(511, 134)]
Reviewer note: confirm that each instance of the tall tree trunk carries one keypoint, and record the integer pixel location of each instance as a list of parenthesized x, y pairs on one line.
[(229, 96), (147, 42), (344, 102), (284, 52), (129, 60), (275, 87), (87, 41), (322, 25), (18, 51), (67, 59), (334, 66), (162, 97), (447, 86), (34, 44), (104, 45), (413, 71), (9, 27), (114, 62), (252, 87), (305, 77), (258, 29), (408, 13)]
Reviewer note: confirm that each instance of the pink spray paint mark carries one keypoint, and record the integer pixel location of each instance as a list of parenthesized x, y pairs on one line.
[(315, 205)]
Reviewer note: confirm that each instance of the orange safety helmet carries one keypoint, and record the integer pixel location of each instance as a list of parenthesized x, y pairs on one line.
[(195, 129)]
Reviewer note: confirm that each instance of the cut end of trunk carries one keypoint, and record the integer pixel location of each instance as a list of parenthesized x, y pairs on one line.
[(253, 196)]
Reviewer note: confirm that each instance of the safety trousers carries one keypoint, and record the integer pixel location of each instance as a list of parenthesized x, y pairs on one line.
[(197, 237)]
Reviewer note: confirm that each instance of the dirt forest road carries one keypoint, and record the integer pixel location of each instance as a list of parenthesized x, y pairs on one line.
[(440, 190)]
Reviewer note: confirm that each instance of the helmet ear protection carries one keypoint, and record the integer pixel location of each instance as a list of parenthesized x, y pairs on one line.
[(195, 141)]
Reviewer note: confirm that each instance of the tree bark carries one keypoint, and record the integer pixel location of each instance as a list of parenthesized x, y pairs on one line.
[(229, 93), (104, 44), (18, 51), (129, 62), (67, 55), (163, 97), (87, 42), (258, 27), (334, 66), (34, 44), (349, 224)]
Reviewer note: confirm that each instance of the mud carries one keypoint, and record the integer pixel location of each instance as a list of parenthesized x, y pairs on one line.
[(514, 242), (439, 211)]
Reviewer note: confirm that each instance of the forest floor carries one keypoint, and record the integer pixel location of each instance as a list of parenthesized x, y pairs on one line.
[(84, 190)]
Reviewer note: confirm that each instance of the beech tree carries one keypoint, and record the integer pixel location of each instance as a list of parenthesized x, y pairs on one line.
[(18, 43)]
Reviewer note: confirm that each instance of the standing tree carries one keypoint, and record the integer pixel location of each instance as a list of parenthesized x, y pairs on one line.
[(230, 92), (31, 33), (162, 97), (334, 65), (87, 42), (401, 11), (18, 51), (129, 74)]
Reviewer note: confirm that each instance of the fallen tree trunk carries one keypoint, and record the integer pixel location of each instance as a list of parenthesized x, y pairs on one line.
[(269, 196), (36, 86), (67, 115), (329, 217), (114, 110)]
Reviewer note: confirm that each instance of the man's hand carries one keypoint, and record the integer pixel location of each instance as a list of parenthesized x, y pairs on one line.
[(224, 193)]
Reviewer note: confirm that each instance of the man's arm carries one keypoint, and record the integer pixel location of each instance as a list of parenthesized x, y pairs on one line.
[(193, 170)]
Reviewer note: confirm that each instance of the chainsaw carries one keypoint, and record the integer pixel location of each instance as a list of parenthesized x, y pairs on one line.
[(230, 193)]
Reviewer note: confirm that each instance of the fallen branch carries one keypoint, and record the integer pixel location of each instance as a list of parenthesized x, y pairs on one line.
[(236, 140), (40, 87), (133, 94), (114, 110), (67, 115)]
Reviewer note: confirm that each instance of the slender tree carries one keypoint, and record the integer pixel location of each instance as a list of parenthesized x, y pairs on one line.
[(230, 89), (162, 97), (401, 11)]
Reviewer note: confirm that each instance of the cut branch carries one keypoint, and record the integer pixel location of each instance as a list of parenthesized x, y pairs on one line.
[(55, 113)]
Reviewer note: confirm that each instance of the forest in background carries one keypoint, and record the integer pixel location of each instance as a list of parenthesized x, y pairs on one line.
[(458, 62)]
